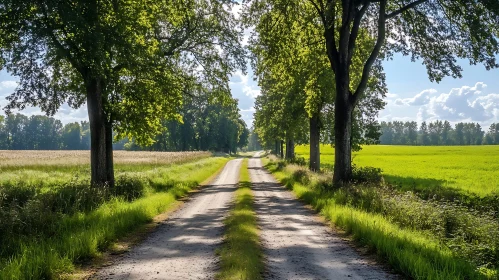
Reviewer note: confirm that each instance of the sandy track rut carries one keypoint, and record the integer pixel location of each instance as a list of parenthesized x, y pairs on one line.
[(295, 243), (184, 246)]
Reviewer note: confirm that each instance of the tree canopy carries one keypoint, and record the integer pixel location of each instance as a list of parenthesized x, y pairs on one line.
[(130, 61), (437, 32)]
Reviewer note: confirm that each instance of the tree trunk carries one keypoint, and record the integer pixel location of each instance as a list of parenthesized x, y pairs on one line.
[(290, 149), (282, 149), (315, 133), (276, 147), (109, 153), (343, 110), (100, 157)]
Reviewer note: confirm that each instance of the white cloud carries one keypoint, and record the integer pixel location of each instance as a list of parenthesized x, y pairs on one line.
[(391, 95), (251, 92), (8, 85), (419, 99), (250, 110), (244, 83), (460, 104)]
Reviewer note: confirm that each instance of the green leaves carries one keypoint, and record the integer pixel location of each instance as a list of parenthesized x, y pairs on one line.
[(145, 52)]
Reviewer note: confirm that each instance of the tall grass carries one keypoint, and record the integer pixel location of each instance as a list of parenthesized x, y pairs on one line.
[(58, 237), (413, 251), (241, 256)]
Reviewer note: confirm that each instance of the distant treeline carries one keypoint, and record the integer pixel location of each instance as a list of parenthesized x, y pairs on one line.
[(205, 127), (20, 132), (437, 133)]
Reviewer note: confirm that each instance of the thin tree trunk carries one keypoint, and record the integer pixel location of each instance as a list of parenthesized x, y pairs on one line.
[(109, 153), (276, 147), (98, 145), (315, 132), (282, 149), (290, 149), (342, 139)]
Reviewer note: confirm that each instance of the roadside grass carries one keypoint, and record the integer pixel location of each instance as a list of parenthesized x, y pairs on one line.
[(44, 239), (241, 256), (410, 250), (442, 170)]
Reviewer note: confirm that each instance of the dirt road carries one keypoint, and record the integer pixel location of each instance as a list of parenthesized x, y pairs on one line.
[(295, 244), (184, 246)]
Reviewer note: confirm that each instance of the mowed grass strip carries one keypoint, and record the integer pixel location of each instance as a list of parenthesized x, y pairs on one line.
[(82, 236), (241, 256), (413, 253)]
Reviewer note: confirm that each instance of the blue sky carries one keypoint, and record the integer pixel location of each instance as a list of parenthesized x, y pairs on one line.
[(411, 96)]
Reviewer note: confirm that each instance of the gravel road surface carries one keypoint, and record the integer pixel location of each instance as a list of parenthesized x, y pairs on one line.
[(184, 246), (296, 245)]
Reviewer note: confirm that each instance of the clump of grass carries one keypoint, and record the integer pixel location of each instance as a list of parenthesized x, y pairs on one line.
[(241, 256), (50, 231), (393, 227)]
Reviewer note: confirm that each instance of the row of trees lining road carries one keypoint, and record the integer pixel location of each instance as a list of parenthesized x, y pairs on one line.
[(353, 35), (129, 61), (206, 125), (20, 132), (437, 133), (253, 141), (296, 102)]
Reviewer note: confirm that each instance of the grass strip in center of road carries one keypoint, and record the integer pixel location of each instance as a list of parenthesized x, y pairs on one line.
[(241, 256)]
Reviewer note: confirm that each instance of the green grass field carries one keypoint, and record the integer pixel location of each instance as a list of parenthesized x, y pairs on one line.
[(473, 169), (52, 219)]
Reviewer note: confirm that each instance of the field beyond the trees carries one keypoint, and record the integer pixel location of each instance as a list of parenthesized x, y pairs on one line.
[(472, 169)]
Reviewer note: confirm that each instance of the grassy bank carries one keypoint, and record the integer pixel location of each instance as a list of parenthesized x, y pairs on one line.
[(241, 256), (421, 239), (46, 231)]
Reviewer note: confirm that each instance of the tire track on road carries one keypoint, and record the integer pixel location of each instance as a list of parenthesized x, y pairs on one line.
[(184, 246), (295, 244)]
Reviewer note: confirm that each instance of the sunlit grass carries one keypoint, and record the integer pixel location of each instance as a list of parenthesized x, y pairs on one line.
[(55, 250), (473, 169), (241, 256), (413, 253)]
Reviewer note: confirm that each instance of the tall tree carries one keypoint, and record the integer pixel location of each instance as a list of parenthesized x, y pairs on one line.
[(128, 60), (291, 61), (434, 31)]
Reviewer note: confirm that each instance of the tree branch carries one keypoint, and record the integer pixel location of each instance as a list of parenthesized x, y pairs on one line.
[(359, 14), (374, 54), (405, 8), (319, 11), (330, 36)]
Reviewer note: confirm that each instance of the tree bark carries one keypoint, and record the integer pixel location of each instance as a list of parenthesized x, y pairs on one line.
[(276, 147), (342, 138), (290, 149), (100, 158), (282, 149), (109, 153), (315, 133)]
